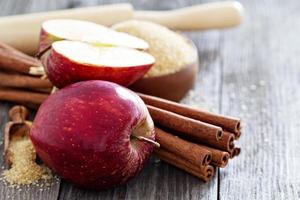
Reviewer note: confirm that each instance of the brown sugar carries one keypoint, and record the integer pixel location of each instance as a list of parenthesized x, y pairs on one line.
[(24, 169), (171, 50)]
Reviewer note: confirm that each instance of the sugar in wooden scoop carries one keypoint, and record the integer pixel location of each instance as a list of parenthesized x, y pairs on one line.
[(24, 169), (20, 153)]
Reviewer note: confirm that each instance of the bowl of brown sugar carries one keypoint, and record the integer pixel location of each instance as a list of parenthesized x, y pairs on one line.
[(176, 66)]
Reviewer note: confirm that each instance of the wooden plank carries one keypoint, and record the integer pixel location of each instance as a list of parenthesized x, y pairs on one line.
[(157, 183), (14, 7), (196, 188), (24, 192), (162, 181), (159, 180), (261, 83)]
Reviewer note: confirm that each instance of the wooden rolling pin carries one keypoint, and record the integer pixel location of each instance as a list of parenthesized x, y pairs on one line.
[(197, 17), (21, 31)]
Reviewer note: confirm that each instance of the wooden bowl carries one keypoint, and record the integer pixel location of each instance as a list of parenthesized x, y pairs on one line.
[(171, 86)]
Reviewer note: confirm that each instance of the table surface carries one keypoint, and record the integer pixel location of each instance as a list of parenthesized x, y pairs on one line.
[(251, 72)]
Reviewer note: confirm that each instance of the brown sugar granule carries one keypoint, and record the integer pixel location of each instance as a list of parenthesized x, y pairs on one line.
[(171, 51), (24, 169)]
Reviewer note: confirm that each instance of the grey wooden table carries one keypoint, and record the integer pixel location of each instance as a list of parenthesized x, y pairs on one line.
[(252, 72)]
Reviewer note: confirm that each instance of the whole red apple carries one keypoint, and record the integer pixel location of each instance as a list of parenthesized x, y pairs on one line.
[(87, 133)]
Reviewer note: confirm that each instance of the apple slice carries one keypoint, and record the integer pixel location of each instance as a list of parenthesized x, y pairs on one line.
[(72, 61), (77, 30)]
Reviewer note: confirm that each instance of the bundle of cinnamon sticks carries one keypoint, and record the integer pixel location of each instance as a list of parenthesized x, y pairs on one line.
[(22, 78), (191, 139)]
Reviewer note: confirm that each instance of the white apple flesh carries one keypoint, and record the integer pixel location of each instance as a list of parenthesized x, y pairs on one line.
[(68, 62), (77, 30)]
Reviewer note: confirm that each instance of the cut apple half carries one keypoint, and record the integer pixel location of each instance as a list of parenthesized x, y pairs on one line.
[(72, 61), (78, 30), (102, 56)]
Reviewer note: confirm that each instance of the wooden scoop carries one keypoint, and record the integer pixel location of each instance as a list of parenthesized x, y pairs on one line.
[(18, 127)]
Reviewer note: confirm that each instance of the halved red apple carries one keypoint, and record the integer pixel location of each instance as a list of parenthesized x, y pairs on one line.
[(72, 61), (78, 30)]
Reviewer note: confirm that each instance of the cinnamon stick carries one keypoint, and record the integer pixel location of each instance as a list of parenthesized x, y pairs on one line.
[(219, 158), (229, 123), (238, 134), (23, 97), (14, 60), (226, 143), (204, 173), (199, 131), (23, 81), (190, 128), (192, 152), (236, 151)]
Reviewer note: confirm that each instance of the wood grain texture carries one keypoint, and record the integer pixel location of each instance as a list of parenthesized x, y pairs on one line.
[(261, 82), (22, 192), (252, 72), (159, 180)]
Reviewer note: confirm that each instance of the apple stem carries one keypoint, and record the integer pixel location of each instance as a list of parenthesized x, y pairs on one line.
[(142, 138)]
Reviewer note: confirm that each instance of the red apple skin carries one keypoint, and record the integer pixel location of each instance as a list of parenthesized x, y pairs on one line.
[(45, 40), (62, 71), (82, 132)]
